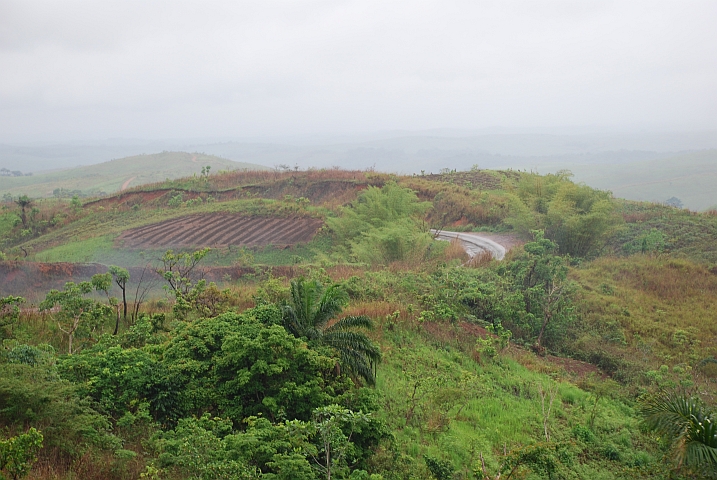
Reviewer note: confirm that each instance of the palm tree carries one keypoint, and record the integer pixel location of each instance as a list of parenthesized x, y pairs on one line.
[(308, 315), (23, 201), (689, 426)]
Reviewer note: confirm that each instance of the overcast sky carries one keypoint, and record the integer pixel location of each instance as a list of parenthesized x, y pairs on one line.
[(94, 69)]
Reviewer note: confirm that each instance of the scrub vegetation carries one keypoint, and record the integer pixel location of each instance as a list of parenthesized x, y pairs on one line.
[(368, 350)]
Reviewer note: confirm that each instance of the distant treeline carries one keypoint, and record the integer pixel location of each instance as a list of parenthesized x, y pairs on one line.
[(4, 172)]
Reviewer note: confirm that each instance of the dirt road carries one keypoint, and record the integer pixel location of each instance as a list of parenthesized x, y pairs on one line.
[(473, 243), (126, 184)]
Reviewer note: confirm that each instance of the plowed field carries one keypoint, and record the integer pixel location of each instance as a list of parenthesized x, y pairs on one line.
[(221, 230)]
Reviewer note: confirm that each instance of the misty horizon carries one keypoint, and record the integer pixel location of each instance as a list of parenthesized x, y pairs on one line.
[(86, 72)]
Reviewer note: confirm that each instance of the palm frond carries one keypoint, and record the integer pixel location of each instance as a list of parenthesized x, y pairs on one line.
[(330, 305), (358, 366), (353, 341), (670, 414), (291, 321), (688, 425), (311, 308), (697, 454), (304, 297), (351, 321)]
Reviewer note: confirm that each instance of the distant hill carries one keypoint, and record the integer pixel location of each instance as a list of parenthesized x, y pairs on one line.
[(690, 177), (112, 176)]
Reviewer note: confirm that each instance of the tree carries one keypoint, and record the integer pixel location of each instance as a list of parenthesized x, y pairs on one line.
[(674, 202), (74, 309), (308, 314), (177, 268), (17, 454), (9, 310), (541, 276), (689, 427), (334, 444), (383, 226), (121, 277), (578, 218), (23, 201)]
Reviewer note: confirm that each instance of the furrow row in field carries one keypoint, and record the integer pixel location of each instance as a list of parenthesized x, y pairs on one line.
[(159, 236), (149, 228), (236, 230), (301, 234), (255, 232), (150, 236), (221, 229), (200, 231), (285, 234)]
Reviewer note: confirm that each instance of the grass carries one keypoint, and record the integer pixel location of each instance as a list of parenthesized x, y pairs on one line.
[(82, 251), (462, 408), (644, 311), (686, 234)]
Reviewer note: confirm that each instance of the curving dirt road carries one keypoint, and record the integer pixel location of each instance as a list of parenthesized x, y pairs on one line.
[(126, 184), (473, 243)]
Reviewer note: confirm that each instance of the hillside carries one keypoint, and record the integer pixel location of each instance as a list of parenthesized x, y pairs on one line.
[(112, 176), (541, 364), (690, 177)]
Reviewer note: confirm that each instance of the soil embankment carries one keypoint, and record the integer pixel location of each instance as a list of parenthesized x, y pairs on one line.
[(33, 280)]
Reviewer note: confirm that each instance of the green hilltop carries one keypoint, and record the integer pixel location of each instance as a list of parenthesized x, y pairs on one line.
[(111, 176)]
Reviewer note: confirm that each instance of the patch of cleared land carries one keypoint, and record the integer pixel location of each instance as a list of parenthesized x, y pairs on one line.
[(221, 230)]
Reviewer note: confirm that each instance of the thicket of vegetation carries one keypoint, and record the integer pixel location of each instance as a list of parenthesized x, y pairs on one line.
[(376, 353)]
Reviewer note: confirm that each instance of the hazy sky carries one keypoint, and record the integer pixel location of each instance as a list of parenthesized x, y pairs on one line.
[(153, 69)]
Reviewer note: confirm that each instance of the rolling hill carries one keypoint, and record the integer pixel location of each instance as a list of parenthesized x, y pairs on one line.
[(690, 177), (115, 175)]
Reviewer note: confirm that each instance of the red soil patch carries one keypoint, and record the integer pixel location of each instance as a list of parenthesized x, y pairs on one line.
[(33, 280), (221, 230), (576, 367)]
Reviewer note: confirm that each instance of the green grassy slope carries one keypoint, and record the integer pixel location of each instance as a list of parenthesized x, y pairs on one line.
[(111, 176)]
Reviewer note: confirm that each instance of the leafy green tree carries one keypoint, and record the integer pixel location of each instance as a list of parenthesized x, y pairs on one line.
[(688, 426), (17, 454), (239, 366), (9, 311), (75, 309), (308, 315), (384, 225), (178, 270), (541, 276), (331, 424), (31, 394), (120, 379), (280, 451), (197, 449), (440, 469), (578, 218)]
